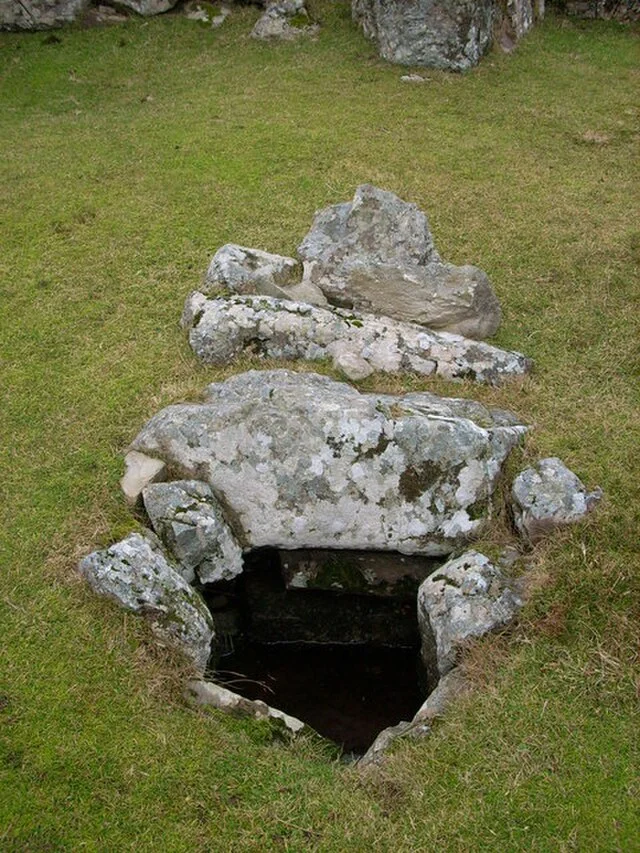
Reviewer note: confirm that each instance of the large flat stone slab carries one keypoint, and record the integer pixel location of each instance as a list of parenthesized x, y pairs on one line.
[(302, 461)]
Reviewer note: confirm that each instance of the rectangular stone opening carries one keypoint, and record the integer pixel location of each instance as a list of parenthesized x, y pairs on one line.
[(330, 637)]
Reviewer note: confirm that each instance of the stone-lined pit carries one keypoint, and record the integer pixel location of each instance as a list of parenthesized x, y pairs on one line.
[(330, 637)]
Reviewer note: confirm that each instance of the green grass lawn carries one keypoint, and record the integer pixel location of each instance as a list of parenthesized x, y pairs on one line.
[(129, 155)]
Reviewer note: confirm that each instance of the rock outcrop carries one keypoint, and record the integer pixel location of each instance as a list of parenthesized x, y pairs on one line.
[(358, 344), (188, 519), (302, 461), (547, 497), (136, 574), (376, 254), (465, 599)]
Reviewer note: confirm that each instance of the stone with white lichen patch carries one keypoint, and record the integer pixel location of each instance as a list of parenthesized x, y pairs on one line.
[(302, 461), (465, 599), (188, 519), (549, 496), (136, 574), (357, 344)]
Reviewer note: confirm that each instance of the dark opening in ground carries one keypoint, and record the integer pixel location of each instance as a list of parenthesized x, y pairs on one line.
[(329, 637)]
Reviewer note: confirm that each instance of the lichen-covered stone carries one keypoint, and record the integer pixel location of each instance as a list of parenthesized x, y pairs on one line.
[(188, 519), (448, 34), (465, 599), (376, 254), (39, 14), (283, 19), (549, 496), (136, 574), (251, 271), (302, 461), (357, 344)]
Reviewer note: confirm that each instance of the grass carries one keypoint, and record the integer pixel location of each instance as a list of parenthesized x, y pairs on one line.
[(129, 155)]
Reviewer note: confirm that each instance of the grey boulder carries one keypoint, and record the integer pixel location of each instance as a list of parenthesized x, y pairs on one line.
[(447, 34), (549, 496), (357, 344), (136, 574), (465, 599), (148, 7), (302, 461), (251, 271), (376, 254), (285, 20), (39, 14), (188, 519)]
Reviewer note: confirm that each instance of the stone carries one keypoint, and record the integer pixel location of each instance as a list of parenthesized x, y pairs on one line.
[(148, 7), (451, 687), (413, 78), (376, 254), (136, 574), (520, 15), (549, 496), (358, 344), (299, 460), (370, 572), (241, 270), (208, 694), (189, 521), (283, 19), (448, 34), (139, 471), (206, 13), (465, 599), (39, 14)]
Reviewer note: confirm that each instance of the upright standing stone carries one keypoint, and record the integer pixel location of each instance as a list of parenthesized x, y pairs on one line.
[(448, 34)]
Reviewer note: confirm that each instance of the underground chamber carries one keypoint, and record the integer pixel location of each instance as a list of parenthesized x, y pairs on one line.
[(329, 637)]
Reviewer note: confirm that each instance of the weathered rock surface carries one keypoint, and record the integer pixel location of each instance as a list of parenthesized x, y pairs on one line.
[(39, 14), (376, 254), (370, 572), (520, 16), (283, 19), (139, 471), (188, 519), (447, 34), (302, 461), (136, 574), (465, 599), (549, 496), (205, 693), (250, 271), (148, 7), (358, 344)]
